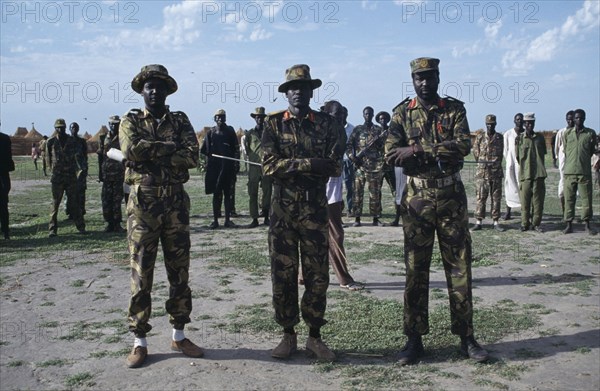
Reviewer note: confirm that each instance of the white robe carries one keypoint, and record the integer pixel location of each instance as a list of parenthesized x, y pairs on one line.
[(559, 151), (511, 174)]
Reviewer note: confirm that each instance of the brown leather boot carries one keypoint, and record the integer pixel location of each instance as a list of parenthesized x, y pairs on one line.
[(412, 350), (287, 346)]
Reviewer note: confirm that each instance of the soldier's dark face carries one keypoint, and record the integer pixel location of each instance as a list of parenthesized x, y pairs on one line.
[(491, 128), (155, 93), (426, 84), (61, 130), (260, 120), (220, 119), (114, 127), (368, 115), (529, 125), (337, 111), (74, 128), (579, 120), (299, 94), (570, 121), (382, 120), (518, 121)]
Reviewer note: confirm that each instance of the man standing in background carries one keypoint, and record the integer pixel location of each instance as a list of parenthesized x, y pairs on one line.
[(511, 177), (559, 150)]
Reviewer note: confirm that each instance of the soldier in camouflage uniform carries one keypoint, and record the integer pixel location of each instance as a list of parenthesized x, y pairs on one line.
[(253, 148), (489, 148), (300, 152), (82, 170), (113, 175), (365, 150), (62, 156), (160, 147), (530, 154), (42, 148), (429, 137)]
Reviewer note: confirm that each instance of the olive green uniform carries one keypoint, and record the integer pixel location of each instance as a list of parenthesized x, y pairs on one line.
[(253, 148), (113, 175), (530, 153), (434, 202), (298, 235), (161, 151)]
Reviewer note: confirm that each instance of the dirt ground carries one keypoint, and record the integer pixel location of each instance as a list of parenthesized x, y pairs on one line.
[(45, 345)]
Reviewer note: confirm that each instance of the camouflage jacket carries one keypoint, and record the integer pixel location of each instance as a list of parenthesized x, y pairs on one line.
[(531, 152), (112, 170), (253, 145), (289, 143), (163, 150), (579, 150), (82, 156), (489, 150), (371, 158), (61, 158), (446, 121)]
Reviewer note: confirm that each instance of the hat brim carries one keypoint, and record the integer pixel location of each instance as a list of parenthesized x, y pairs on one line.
[(386, 114), (254, 115), (137, 84), (314, 83)]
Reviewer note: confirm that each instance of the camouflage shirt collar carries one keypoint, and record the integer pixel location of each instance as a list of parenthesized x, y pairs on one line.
[(148, 114), (287, 115), (415, 103)]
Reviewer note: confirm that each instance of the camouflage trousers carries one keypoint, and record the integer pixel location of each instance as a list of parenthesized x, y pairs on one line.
[(375, 180), (425, 213), (390, 177), (573, 183), (255, 181), (112, 196), (60, 186), (483, 189), (152, 217), (298, 237), (81, 187), (532, 193)]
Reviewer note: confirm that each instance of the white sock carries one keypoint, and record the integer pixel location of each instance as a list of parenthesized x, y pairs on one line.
[(178, 335), (479, 222), (140, 342), (495, 222)]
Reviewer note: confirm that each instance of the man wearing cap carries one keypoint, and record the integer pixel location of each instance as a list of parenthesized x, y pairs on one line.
[(488, 150), (62, 156), (389, 172), (113, 175), (580, 145), (365, 150), (511, 178), (530, 154), (429, 138), (160, 147), (82, 169), (300, 152), (559, 150), (221, 172), (253, 148)]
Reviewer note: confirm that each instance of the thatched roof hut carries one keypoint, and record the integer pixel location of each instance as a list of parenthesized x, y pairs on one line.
[(20, 132)]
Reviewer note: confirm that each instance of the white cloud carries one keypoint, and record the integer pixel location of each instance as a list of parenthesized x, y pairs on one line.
[(562, 78), (546, 46), (491, 31), (368, 5), (18, 49), (259, 34)]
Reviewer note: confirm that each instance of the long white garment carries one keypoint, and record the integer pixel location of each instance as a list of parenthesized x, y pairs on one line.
[(400, 184), (511, 175), (334, 189), (559, 151)]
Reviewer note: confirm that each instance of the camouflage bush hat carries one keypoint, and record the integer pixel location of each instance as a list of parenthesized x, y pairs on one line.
[(60, 123), (258, 112), (299, 73), (529, 117), (114, 119), (150, 71), (490, 119), (424, 64), (385, 114), (220, 112)]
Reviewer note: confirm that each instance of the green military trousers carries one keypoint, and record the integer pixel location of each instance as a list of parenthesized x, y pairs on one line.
[(532, 193), (153, 217), (583, 184), (425, 213)]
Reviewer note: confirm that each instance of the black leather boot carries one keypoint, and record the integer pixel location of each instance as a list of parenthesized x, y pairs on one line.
[(411, 351), (470, 348)]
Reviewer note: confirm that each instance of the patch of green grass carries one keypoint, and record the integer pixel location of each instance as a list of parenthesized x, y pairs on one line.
[(48, 324), (482, 382), (57, 362), (156, 312), (254, 260), (49, 289), (501, 369), (549, 332), (203, 317), (77, 283), (15, 363), (47, 304), (110, 353), (524, 353), (228, 291), (583, 350), (80, 379), (375, 252)]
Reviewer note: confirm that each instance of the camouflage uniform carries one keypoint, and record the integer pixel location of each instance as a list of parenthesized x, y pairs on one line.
[(579, 149), (489, 175), (113, 175), (160, 152), (369, 169), (434, 201), (299, 211), (62, 159), (82, 173), (530, 152), (253, 147)]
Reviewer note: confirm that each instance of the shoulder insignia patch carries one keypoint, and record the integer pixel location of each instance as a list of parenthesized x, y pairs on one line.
[(401, 103)]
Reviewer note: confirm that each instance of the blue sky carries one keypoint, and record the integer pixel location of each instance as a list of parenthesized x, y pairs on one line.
[(75, 59)]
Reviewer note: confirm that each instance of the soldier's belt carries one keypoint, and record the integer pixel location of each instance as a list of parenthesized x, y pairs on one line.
[(299, 195), (436, 183), (162, 191)]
